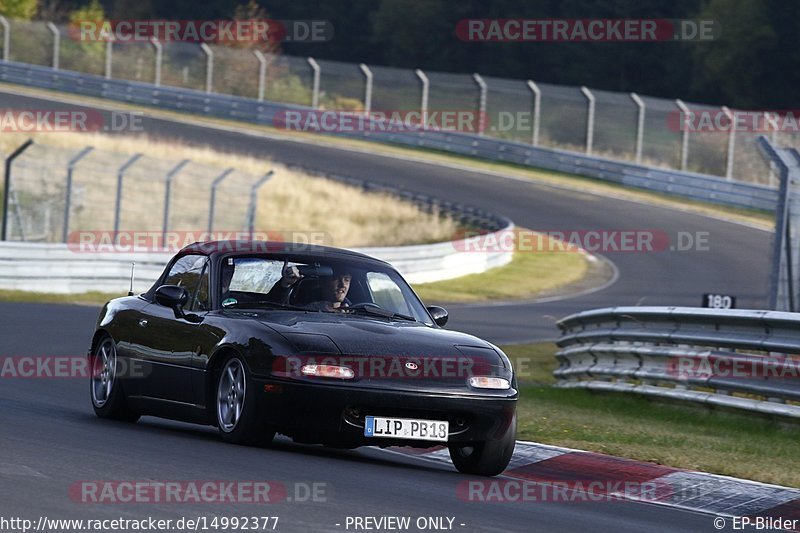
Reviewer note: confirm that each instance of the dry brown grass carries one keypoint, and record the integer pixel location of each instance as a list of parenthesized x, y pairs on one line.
[(291, 204)]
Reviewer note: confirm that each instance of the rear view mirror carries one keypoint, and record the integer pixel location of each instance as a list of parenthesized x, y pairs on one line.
[(315, 271), (171, 296), (175, 297), (439, 315)]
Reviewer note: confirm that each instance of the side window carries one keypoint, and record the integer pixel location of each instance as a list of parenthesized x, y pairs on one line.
[(386, 293), (191, 273)]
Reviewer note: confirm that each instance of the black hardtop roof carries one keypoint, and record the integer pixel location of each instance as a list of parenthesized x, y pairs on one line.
[(243, 247)]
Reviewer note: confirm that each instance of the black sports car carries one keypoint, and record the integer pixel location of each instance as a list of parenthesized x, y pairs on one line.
[(320, 344)]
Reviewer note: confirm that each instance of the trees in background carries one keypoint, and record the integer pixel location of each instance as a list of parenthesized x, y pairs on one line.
[(754, 63)]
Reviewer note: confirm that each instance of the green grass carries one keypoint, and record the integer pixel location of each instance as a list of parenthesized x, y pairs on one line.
[(527, 275), (88, 298), (680, 435)]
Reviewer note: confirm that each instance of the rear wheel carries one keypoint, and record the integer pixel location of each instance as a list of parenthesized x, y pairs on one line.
[(487, 458), (237, 417), (108, 400)]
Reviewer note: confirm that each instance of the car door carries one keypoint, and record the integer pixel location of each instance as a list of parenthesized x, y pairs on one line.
[(168, 345)]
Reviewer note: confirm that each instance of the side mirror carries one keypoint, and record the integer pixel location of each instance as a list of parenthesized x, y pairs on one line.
[(175, 297), (439, 315)]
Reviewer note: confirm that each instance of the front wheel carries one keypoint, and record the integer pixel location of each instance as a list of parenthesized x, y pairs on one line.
[(237, 417), (108, 400), (487, 458)]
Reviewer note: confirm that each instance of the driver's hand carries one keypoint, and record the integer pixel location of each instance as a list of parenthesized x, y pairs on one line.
[(289, 275)]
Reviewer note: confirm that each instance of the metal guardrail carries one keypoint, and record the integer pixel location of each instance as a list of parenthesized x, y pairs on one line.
[(679, 183), (743, 359), (67, 268)]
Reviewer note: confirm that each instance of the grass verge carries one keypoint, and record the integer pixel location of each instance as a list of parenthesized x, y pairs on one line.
[(87, 298), (678, 435), (526, 276)]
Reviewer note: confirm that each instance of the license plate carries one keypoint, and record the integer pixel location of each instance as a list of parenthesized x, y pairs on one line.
[(406, 428)]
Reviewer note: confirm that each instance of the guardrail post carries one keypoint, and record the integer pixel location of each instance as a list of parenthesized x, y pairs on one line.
[(68, 196), (56, 43), (168, 193), (315, 83), (214, 184), (780, 300), (251, 212), (423, 105), (159, 51), (537, 109), (209, 66), (7, 184), (481, 102), (262, 73), (685, 111), (731, 143), (367, 87), (6, 37), (589, 119), (639, 126), (109, 52), (118, 202)]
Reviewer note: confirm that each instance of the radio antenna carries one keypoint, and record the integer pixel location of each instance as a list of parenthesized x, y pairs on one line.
[(133, 269)]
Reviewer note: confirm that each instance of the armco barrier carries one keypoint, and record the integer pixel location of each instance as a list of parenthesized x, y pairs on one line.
[(684, 184), (744, 359), (59, 268)]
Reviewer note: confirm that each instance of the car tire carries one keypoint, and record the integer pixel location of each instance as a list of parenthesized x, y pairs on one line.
[(487, 458), (235, 408), (105, 389)]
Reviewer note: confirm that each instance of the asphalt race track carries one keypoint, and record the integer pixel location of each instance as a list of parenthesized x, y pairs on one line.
[(51, 439)]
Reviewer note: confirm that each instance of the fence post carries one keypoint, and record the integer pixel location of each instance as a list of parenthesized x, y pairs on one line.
[(6, 37), (7, 187), (589, 119), (214, 186), (537, 109), (685, 136), (731, 143), (109, 52), (367, 87), (68, 197), (118, 203), (251, 212), (639, 126), (315, 83), (209, 66), (167, 193), (771, 122), (159, 49), (262, 73), (56, 43), (423, 105), (481, 102)]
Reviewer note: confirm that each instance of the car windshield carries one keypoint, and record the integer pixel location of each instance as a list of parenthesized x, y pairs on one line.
[(318, 284)]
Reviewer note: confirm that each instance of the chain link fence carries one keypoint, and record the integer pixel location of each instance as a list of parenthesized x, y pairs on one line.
[(608, 124), (58, 194)]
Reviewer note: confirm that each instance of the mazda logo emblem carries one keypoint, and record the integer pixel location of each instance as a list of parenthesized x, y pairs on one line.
[(412, 366)]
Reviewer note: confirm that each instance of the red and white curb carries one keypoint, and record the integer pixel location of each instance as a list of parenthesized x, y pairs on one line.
[(598, 474)]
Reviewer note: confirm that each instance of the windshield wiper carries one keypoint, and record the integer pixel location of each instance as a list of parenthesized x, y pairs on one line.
[(376, 310), (264, 303)]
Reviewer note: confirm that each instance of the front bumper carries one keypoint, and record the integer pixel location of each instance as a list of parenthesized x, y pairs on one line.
[(330, 414)]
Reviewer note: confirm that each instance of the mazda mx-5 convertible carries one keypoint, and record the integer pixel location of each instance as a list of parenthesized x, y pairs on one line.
[(320, 344)]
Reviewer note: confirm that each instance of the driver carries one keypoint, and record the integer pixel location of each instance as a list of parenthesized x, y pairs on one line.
[(330, 294), (333, 291)]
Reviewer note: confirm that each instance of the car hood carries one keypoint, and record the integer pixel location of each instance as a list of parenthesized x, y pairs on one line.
[(365, 336), (399, 354)]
